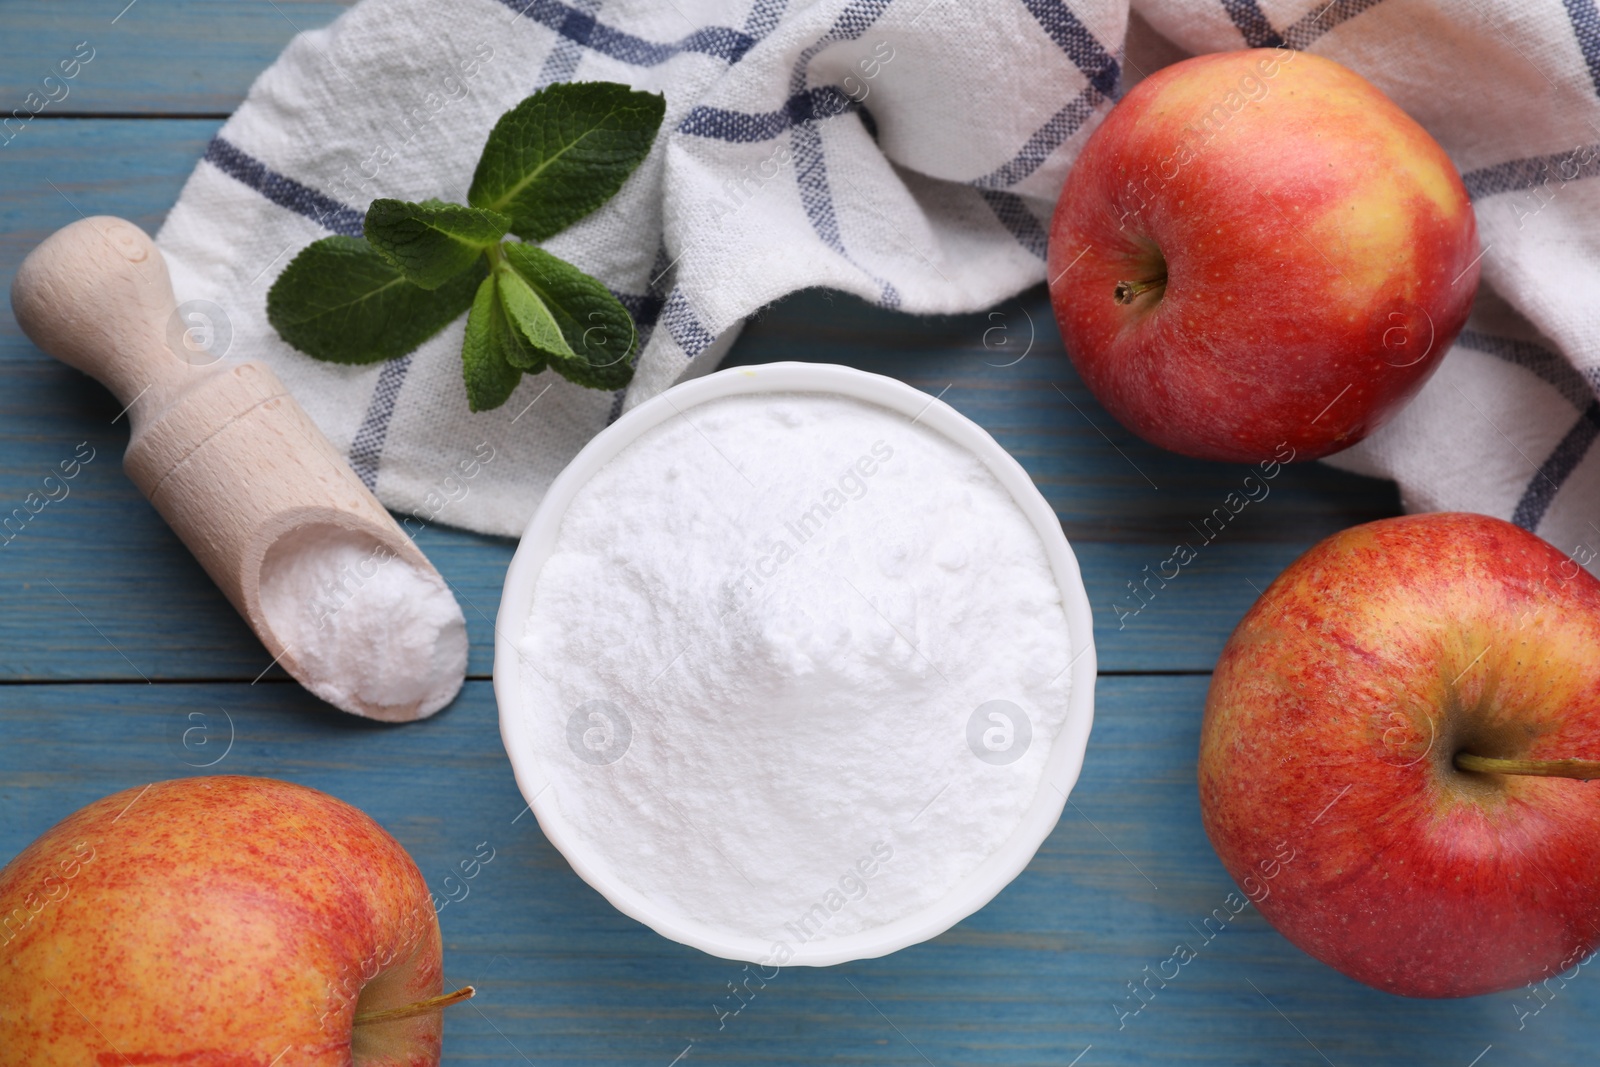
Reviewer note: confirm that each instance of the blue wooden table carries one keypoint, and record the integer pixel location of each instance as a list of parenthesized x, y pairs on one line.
[(114, 647)]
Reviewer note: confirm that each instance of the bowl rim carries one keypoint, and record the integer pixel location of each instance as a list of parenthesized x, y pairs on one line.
[(1056, 779)]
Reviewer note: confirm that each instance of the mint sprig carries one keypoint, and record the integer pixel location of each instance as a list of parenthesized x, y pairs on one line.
[(548, 162)]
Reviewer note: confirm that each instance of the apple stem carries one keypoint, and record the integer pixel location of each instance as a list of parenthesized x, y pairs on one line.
[(1126, 291), (1581, 769), (421, 1007)]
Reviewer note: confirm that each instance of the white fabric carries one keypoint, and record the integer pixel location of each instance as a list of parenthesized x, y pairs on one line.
[(933, 195)]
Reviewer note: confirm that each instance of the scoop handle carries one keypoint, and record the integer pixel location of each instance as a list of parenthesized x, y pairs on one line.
[(97, 296)]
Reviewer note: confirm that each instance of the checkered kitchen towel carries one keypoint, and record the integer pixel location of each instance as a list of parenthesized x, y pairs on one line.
[(907, 151)]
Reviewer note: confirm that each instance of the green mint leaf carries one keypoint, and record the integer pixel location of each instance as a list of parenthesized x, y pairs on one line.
[(563, 152), (596, 334), (490, 376), (433, 241), (534, 323), (340, 301), (511, 304)]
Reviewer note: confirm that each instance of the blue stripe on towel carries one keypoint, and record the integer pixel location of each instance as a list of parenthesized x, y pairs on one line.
[(852, 22), (1548, 366), (810, 163), (563, 59), (763, 17), (1049, 137), (1014, 215), (1074, 38), (366, 448), (1555, 371), (806, 104), (1097, 65), (1252, 24), (1257, 31), (1518, 175), (739, 127), (285, 192), (1556, 468), (680, 320), (646, 312), (584, 29), (1322, 18), (816, 196), (1585, 20)]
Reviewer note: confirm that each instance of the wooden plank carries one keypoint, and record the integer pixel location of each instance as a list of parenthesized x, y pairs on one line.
[(1031, 979), (145, 57), (98, 588), (65, 170)]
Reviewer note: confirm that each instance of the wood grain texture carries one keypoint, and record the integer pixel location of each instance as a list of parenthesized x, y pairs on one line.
[(63, 171), (149, 57), (565, 979)]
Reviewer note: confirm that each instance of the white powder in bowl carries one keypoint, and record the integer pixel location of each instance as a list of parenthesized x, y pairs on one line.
[(371, 633), (796, 663)]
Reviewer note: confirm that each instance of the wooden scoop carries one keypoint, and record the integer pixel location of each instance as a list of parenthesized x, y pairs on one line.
[(221, 449)]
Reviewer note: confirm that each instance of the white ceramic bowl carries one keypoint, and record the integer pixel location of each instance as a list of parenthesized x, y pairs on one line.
[(1066, 752)]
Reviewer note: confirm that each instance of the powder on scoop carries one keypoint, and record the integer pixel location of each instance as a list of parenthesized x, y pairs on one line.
[(797, 664), (369, 630)]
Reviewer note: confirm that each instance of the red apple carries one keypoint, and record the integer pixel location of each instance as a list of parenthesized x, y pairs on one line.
[(1259, 249), (1382, 751), (221, 921)]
